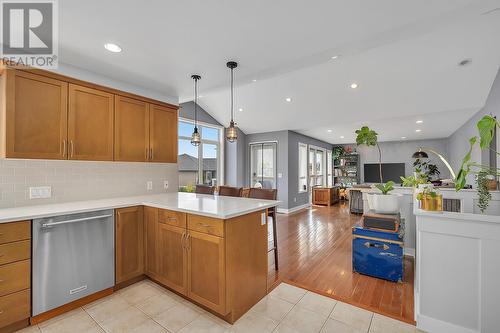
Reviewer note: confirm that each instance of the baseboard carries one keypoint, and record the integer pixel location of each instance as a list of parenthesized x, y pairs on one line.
[(70, 306), (409, 251), (431, 325), (294, 209)]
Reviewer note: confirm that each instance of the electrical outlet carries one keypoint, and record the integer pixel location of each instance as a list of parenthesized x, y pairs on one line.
[(165, 184), (294, 199), (149, 185), (40, 192)]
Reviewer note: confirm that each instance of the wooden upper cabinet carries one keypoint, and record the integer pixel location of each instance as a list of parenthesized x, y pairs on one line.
[(163, 134), (36, 116), (206, 262), (172, 257), (90, 124), (131, 130), (129, 243)]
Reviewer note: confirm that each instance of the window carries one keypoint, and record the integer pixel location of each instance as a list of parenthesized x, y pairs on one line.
[(302, 167), (202, 164), (316, 166), (329, 167)]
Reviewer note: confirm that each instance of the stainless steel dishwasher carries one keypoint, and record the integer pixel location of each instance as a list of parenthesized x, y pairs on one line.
[(73, 256)]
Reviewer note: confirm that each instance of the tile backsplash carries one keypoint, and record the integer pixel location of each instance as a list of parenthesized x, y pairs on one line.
[(80, 180)]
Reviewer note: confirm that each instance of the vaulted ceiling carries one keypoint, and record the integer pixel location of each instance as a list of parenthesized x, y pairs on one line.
[(403, 54)]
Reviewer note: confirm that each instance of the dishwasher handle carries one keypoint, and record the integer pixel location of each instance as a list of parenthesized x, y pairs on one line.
[(53, 224)]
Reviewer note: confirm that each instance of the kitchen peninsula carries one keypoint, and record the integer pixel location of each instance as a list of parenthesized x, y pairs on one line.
[(212, 250)]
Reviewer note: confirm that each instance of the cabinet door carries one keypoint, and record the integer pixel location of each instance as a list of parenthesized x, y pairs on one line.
[(150, 238), (172, 263), (129, 247), (90, 124), (131, 130), (207, 270), (163, 134), (36, 116)]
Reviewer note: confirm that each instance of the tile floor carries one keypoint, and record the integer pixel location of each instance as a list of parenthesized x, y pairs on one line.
[(147, 307)]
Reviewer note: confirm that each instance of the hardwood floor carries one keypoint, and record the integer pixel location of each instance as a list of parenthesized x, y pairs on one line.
[(315, 253)]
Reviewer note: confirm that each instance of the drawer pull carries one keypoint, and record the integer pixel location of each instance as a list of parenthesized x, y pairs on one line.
[(172, 218), (1, 312), (1, 254), (383, 246), (1, 280), (204, 225)]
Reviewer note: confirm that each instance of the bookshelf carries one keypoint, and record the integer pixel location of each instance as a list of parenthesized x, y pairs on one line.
[(346, 170)]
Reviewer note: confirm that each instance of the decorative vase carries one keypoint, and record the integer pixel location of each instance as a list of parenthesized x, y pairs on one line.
[(432, 203)]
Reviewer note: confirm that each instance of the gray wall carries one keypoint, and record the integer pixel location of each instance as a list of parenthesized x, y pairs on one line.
[(294, 197), (187, 111), (401, 151), (281, 137), (458, 142), (235, 161)]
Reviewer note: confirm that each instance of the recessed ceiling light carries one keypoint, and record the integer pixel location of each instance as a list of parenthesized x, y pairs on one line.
[(418, 130), (254, 80), (341, 136), (419, 121), (200, 96), (354, 85), (329, 131), (112, 47), (288, 99), (240, 109), (403, 137), (335, 57)]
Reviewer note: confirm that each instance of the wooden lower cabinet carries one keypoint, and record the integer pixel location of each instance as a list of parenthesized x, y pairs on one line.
[(207, 270), (129, 243), (325, 195), (172, 257), (150, 241), (15, 275)]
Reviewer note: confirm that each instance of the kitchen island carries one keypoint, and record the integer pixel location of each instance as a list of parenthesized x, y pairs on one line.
[(212, 250)]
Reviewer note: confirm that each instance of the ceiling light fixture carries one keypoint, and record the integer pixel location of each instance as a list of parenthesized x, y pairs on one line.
[(231, 131), (329, 131), (335, 57), (240, 109), (418, 130), (112, 47), (354, 85), (254, 80), (195, 137), (403, 137), (465, 62), (341, 136), (419, 121), (288, 99)]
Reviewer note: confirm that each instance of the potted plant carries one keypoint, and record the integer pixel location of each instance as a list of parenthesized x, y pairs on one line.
[(486, 175), (384, 202), (430, 200)]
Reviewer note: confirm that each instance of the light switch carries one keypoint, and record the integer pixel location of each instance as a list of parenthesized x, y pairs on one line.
[(280, 175), (165, 184), (149, 185), (40, 192)]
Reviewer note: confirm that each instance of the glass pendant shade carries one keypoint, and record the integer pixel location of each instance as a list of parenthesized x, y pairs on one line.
[(231, 132), (195, 137)]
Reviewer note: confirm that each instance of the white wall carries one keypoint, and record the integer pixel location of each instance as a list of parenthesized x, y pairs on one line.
[(85, 75), (458, 142), (401, 152), (80, 180)]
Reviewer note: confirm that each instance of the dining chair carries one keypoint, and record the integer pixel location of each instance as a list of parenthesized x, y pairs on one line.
[(268, 194), (230, 191), (204, 189)]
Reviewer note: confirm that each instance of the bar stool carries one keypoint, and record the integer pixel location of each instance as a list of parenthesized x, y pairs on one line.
[(230, 191), (268, 194), (204, 189)]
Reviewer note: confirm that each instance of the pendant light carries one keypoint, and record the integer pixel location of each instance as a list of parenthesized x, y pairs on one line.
[(195, 137), (231, 131)]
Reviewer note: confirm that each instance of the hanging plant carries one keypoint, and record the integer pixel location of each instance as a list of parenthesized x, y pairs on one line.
[(484, 195), (337, 152)]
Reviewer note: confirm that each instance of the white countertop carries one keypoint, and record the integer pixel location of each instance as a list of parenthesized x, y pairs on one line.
[(470, 217), (200, 204)]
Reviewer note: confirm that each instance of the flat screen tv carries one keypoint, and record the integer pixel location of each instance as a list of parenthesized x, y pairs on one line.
[(390, 171)]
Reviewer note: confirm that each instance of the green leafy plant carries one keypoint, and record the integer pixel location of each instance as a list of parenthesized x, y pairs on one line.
[(415, 180), (368, 137), (386, 188), (337, 151), (426, 192), (486, 128), (427, 169)]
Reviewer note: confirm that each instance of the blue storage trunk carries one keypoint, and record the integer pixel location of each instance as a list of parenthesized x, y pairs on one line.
[(378, 253)]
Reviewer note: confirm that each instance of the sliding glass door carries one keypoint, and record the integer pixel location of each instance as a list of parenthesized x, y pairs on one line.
[(316, 167), (263, 164)]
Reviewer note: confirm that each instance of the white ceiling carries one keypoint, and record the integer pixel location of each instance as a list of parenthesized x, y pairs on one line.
[(402, 53)]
